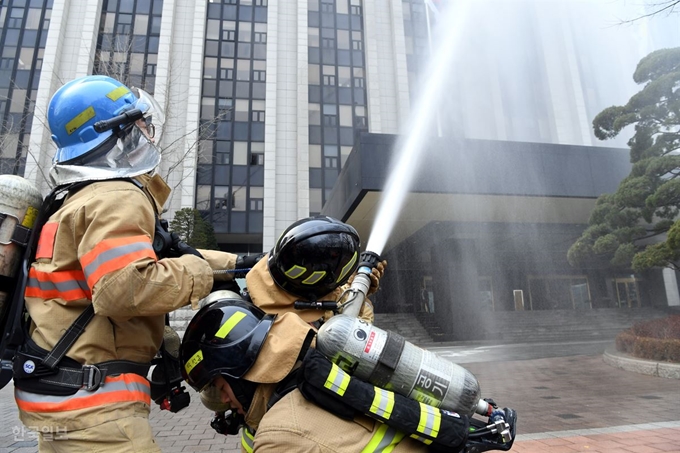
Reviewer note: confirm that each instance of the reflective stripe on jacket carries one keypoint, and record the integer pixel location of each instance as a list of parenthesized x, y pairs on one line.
[(127, 387), (97, 249)]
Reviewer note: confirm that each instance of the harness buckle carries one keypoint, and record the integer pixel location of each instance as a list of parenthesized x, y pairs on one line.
[(92, 377)]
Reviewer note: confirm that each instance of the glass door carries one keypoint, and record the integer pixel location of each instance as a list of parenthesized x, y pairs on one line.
[(627, 294)]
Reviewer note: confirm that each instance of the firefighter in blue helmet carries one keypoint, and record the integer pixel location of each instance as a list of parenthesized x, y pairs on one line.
[(96, 263)]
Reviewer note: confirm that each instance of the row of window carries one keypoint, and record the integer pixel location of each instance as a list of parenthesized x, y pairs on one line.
[(256, 13), (23, 29), (352, 7)]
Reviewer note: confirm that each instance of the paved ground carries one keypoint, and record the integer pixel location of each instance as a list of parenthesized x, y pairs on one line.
[(566, 397)]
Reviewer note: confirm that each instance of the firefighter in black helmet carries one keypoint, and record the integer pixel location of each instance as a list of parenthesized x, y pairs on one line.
[(314, 256), (312, 261), (243, 363)]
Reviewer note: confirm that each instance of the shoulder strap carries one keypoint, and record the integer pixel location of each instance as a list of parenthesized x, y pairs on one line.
[(70, 336)]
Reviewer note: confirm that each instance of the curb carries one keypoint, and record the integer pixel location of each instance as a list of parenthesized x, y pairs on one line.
[(649, 367)]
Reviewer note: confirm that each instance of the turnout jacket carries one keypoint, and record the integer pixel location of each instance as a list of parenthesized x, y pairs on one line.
[(294, 424), (97, 249)]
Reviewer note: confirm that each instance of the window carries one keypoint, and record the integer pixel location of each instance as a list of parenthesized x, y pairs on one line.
[(260, 37), (314, 114), (355, 10), (559, 292), (224, 108), (313, 37), (346, 115), (258, 116), (222, 158), (331, 162), (329, 80), (243, 70), (626, 292), (240, 153), (259, 76), (256, 204), (260, 2), (241, 110), (244, 31), (328, 43), (357, 45), (226, 74), (257, 159), (327, 7), (359, 82), (229, 35), (330, 115)]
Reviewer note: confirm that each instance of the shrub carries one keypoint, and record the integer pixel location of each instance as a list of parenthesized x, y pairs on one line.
[(658, 339)]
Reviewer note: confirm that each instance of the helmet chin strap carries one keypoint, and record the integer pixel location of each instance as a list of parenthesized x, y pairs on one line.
[(244, 391)]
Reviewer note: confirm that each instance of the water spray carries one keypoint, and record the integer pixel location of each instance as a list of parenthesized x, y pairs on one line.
[(352, 299)]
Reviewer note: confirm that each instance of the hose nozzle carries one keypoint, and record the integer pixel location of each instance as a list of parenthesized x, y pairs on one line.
[(359, 288), (369, 259)]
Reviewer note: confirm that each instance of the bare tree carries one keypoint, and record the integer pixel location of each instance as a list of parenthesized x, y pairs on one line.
[(118, 64), (663, 7)]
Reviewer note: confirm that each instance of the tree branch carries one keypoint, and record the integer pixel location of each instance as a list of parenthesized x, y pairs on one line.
[(668, 7)]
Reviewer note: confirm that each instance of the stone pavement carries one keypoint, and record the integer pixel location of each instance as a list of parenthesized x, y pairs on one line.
[(564, 404)]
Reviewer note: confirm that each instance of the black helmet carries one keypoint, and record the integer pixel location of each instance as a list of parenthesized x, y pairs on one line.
[(314, 256), (224, 337)]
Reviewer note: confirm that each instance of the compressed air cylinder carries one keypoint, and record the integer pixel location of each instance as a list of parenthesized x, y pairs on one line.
[(386, 360), (20, 202)]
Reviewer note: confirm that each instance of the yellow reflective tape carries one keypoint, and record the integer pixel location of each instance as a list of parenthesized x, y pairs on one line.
[(118, 93), (337, 380), (430, 420), (246, 440), (421, 439), (193, 361), (437, 422), (295, 271), (80, 119), (347, 267), (384, 440), (383, 403), (29, 217), (314, 278), (230, 324)]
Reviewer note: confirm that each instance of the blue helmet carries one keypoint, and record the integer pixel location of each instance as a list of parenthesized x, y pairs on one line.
[(77, 106), (103, 130)]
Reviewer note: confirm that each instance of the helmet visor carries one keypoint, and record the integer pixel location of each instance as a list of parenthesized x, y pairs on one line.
[(153, 114)]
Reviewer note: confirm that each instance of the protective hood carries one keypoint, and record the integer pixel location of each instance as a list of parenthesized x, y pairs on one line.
[(280, 351), (271, 298), (132, 155)]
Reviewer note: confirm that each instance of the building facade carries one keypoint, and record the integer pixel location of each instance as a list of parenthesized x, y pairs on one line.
[(264, 99)]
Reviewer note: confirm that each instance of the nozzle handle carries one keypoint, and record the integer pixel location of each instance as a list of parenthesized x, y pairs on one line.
[(317, 305)]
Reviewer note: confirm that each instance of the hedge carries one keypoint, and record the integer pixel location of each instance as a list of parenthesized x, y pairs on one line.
[(658, 340)]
